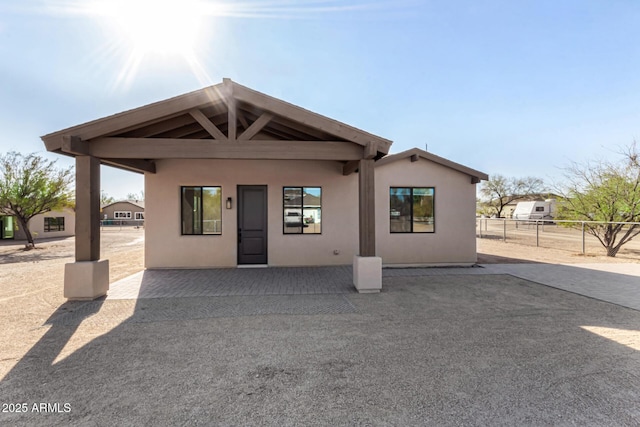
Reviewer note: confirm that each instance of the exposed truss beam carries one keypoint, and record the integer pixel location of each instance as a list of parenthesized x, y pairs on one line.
[(162, 148), (370, 151), (207, 124), (131, 165), (158, 128), (74, 145), (232, 109), (242, 119), (350, 167), (300, 115), (256, 126), (142, 116), (180, 132)]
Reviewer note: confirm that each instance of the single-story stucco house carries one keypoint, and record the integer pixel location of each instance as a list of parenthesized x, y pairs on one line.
[(127, 212), (234, 177), (59, 223)]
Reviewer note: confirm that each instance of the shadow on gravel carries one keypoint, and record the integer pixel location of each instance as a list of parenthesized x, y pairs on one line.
[(430, 350), (496, 259), (32, 255)]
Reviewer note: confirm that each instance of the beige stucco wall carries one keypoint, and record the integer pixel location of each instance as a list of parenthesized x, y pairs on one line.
[(165, 247), (36, 225), (454, 239)]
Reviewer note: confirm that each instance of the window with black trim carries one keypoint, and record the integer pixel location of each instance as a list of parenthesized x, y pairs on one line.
[(302, 210), (411, 210), (54, 224), (201, 210)]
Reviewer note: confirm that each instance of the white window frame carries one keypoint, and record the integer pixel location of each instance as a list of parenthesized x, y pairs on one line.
[(139, 216), (122, 215)]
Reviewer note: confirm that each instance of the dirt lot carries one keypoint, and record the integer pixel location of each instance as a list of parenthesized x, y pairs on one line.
[(31, 284), (31, 281), (531, 359), (495, 251)]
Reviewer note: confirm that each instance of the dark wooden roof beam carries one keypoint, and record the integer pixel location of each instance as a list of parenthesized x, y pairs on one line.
[(158, 128), (155, 148), (207, 124)]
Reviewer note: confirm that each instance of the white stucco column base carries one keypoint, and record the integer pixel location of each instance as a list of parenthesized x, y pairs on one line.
[(86, 280), (367, 273)]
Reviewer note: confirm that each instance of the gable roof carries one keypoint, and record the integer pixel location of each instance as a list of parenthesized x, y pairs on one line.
[(226, 120), (137, 203), (415, 154)]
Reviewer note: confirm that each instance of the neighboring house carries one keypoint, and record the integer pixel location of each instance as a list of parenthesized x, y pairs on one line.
[(234, 177), (60, 223), (126, 212), (7, 227)]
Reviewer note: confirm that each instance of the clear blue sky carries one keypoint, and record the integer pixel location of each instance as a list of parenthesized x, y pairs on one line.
[(514, 87)]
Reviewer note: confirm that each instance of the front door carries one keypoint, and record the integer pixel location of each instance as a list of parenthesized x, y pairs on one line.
[(252, 224)]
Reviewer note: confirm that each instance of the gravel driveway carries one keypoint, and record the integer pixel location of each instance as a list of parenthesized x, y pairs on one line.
[(437, 350)]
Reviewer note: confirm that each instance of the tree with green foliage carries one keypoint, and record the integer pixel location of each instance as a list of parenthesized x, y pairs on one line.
[(136, 196), (105, 199), (608, 192), (31, 185), (499, 191)]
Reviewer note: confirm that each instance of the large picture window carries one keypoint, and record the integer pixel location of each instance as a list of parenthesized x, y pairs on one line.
[(54, 224), (302, 210), (201, 210), (411, 210)]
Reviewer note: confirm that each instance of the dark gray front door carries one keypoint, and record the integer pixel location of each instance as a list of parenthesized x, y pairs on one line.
[(252, 224)]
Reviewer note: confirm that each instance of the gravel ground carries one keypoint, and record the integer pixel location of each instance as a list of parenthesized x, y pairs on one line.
[(445, 350)]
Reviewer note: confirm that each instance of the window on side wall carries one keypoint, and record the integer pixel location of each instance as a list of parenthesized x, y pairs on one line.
[(302, 210), (54, 224), (201, 210), (411, 210), (139, 216), (122, 214)]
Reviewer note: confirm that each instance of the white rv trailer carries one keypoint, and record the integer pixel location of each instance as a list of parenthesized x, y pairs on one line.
[(535, 210)]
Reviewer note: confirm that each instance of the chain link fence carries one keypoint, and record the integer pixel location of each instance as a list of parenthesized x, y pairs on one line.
[(565, 235), (119, 224)]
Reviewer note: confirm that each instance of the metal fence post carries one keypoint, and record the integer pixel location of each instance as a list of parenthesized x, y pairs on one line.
[(583, 245), (537, 233), (504, 230)]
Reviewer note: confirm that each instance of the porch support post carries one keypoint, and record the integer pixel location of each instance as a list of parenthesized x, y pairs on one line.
[(366, 184), (88, 277), (367, 267)]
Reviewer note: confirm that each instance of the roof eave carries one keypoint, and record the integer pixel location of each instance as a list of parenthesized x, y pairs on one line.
[(480, 176)]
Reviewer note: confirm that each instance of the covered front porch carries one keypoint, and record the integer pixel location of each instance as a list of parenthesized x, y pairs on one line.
[(223, 123)]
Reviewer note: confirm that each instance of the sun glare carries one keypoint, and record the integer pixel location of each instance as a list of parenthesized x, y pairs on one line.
[(140, 30), (177, 30), (167, 27)]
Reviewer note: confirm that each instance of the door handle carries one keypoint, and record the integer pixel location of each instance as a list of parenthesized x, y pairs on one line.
[(239, 235)]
